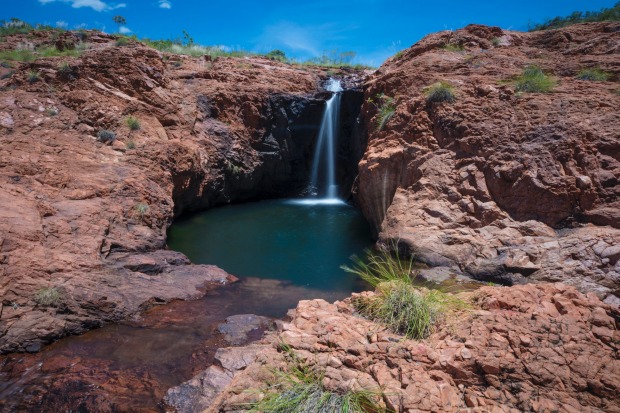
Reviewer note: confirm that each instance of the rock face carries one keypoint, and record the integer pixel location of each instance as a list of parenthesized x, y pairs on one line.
[(498, 185), (538, 348), (84, 221)]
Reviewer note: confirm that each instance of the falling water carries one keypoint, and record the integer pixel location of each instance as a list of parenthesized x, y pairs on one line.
[(324, 181)]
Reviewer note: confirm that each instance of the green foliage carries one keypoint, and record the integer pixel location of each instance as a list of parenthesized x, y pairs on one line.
[(54, 52), (533, 80), (440, 92), (398, 55), (381, 266), (122, 41), (386, 106), (33, 76), (496, 41), (593, 74), (130, 144), (48, 296), (397, 303), (106, 136), (605, 14), (300, 390), (120, 21), (141, 210), (64, 68), (19, 55), (132, 122), (451, 47), (277, 55)]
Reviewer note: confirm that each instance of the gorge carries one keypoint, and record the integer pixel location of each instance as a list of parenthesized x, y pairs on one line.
[(496, 185)]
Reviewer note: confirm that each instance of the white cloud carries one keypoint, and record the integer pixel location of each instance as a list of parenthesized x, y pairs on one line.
[(165, 4), (124, 30), (97, 5), (61, 24)]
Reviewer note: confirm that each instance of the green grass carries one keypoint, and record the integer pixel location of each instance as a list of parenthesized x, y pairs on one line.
[(534, 80), (122, 41), (451, 47), (386, 106), (51, 111), (440, 92), (496, 41), (300, 390), (19, 55), (132, 123), (130, 144), (48, 296), (404, 308), (141, 210), (54, 52), (593, 74), (33, 76), (605, 14)]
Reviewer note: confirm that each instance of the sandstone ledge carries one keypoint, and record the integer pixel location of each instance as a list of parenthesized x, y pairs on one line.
[(539, 348)]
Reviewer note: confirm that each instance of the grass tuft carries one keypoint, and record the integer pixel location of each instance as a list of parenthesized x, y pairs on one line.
[(33, 76), (106, 136), (300, 390), (132, 122), (404, 308), (48, 296), (386, 106), (451, 47), (534, 80), (440, 92), (593, 74)]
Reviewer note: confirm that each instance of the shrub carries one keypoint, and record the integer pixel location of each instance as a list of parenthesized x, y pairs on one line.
[(440, 92), (533, 80), (122, 41), (301, 390), (132, 122), (48, 296), (451, 47), (33, 76), (277, 55), (386, 107), (398, 55), (606, 14), (496, 41), (141, 210), (64, 68), (397, 303), (594, 74), (106, 136), (130, 144)]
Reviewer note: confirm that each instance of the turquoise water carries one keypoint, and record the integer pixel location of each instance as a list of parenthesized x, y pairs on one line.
[(302, 242)]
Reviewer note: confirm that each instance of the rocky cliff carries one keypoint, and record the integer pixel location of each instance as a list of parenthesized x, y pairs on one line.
[(500, 185), (82, 222)]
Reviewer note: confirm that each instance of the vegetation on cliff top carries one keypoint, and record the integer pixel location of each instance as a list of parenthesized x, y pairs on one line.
[(606, 14)]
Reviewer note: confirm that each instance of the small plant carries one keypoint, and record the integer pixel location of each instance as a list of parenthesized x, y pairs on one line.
[(48, 296), (594, 75), (33, 76), (130, 144), (386, 107), (496, 41), (440, 92), (277, 55), (122, 41), (141, 210), (106, 136), (398, 55), (451, 47), (132, 122), (300, 390), (64, 68), (533, 80)]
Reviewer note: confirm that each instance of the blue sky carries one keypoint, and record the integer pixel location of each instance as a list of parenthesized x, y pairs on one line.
[(374, 29)]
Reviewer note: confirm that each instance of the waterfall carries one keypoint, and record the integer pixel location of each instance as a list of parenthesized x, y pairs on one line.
[(323, 177)]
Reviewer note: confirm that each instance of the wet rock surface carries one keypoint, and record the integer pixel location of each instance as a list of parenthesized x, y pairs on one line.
[(498, 185), (536, 348)]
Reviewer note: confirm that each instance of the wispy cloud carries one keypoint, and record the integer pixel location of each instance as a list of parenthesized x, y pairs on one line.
[(165, 4), (97, 5), (124, 30), (61, 24)]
